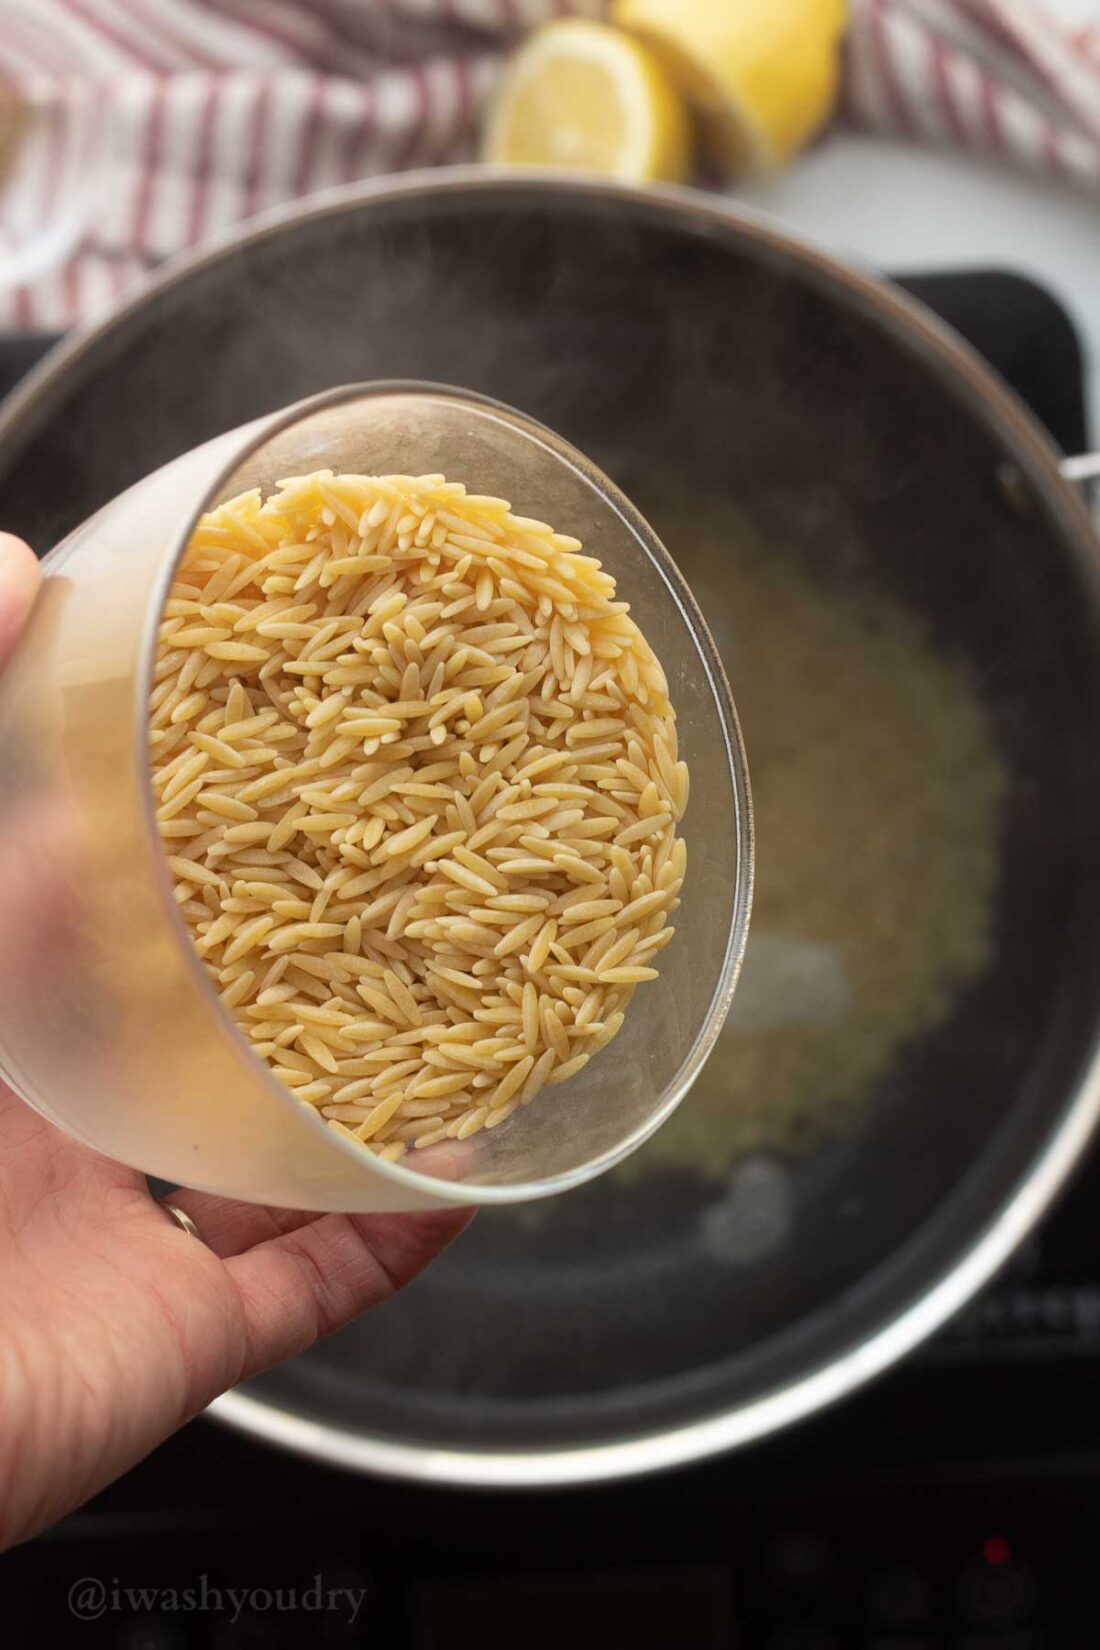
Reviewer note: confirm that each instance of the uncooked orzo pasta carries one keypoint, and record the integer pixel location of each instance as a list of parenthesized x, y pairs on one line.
[(416, 776)]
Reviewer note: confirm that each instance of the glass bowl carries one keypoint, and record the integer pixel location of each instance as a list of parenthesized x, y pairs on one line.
[(109, 1024)]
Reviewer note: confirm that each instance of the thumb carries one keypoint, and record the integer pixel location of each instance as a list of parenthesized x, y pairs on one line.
[(19, 582), (35, 834)]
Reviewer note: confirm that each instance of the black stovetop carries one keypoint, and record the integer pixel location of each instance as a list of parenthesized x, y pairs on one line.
[(955, 1505)]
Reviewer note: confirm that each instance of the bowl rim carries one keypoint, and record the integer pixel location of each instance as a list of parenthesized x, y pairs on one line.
[(948, 358)]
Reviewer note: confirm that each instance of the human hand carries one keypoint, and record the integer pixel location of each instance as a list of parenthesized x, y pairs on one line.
[(116, 1326)]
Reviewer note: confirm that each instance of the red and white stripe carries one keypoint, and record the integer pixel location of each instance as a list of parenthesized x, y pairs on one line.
[(154, 123), (995, 77)]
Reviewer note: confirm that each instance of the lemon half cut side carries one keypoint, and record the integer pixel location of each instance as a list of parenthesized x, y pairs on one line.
[(581, 96)]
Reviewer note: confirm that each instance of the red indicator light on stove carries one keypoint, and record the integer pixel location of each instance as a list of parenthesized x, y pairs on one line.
[(996, 1550)]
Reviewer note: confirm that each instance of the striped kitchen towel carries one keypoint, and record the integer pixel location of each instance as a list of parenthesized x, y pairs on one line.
[(133, 129)]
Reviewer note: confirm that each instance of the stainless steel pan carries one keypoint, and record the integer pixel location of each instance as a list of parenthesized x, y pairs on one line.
[(692, 352)]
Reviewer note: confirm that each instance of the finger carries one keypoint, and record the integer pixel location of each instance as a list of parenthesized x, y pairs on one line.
[(229, 1227), (306, 1284), (20, 579)]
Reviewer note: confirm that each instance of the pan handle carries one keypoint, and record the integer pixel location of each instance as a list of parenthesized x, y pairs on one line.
[(1082, 468)]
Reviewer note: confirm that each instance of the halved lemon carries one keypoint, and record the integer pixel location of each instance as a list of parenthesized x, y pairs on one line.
[(584, 97), (761, 75)]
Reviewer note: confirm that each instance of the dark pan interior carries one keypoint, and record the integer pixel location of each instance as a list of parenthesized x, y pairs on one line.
[(677, 354)]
